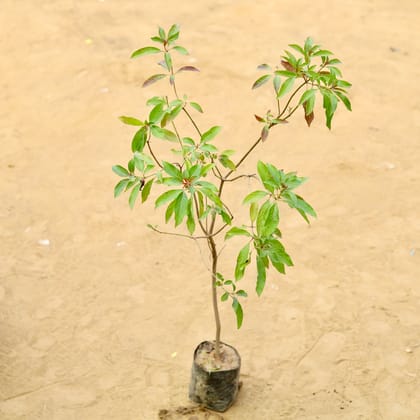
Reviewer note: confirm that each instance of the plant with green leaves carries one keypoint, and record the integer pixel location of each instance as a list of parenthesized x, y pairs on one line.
[(192, 185)]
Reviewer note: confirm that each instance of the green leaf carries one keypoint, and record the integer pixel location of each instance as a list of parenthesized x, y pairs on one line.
[(343, 84), (131, 120), (133, 196), (196, 106), (153, 79), (308, 45), (162, 33), (172, 170), (277, 253), (226, 162), (286, 86), (170, 116), (324, 53), (344, 99), (173, 33), (265, 177), (120, 171), (156, 100), (253, 211), (168, 60), (157, 39), (224, 297), (297, 202), (308, 101), (119, 188), (335, 71), (285, 73), (190, 217), (141, 160), (131, 166), (131, 183), (181, 208), (139, 140), (305, 206), (235, 231), (293, 181), (242, 293), (261, 80), (146, 190), (254, 196), (239, 312), (180, 49), (188, 140), (274, 173), (241, 262), (145, 51), (211, 133), (307, 95), (263, 67), (261, 275), (278, 266), (220, 276), (164, 134), (156, 113), (212, 196), (169, 211), (276, 85), (167, 196), (228, 152), (267, 219), (330, 105), (209, 148), (297, 48), (225, 216)]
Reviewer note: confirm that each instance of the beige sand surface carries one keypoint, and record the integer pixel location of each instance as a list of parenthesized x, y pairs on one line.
[(102, 322)]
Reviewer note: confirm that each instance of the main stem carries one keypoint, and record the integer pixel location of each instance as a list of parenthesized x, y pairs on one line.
[(214, 257)]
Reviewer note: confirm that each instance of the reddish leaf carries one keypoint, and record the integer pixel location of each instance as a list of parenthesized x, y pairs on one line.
[(153, 79), (310, 117), (287, 66), (260, 119), (188, 68), (264, 133)]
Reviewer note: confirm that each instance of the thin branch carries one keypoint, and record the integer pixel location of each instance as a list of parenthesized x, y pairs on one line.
[(244, 157), (220, 176), (292, 111), (241, 176), (198, 216), (219, 230), (291, 97), (151, 152), (192, 121), (194, 238)]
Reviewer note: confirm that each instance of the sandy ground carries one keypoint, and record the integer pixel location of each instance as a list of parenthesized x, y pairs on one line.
[(102, 322)]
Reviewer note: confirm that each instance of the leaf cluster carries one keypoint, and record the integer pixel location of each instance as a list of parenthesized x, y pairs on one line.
[(318, 72), (263, 232)]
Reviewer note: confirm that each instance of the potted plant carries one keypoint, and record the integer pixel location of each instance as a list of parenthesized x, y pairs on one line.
[(193, 183)]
